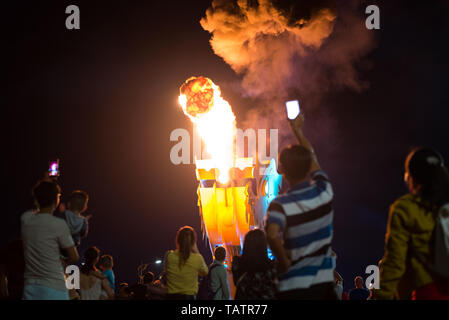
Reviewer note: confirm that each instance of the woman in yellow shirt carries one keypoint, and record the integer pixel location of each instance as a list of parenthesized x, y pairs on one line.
[(183, 266), (404, 271)]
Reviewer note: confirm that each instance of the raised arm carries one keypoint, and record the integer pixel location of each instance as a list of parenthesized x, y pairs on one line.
[(72, 255), (296, 126), (203, 270)]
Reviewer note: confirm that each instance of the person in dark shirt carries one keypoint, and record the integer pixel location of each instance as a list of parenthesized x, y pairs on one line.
[(359, 292)]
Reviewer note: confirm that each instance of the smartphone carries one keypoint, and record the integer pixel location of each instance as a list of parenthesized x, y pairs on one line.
[(53, 168), (293, 109)]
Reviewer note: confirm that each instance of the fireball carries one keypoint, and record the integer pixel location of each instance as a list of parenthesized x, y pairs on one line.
[(200, 95), (214, 120)]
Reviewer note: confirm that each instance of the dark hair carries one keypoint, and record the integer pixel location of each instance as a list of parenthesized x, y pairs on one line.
[(106, 261), (185, 239), (148, 277), (357, 279), (426, 167), (295, 161), (90, 257), (46, 193), (220, 253), (254, 255), (78, 200), (125, 287)]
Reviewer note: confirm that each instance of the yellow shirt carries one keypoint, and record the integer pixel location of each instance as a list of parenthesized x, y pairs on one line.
[(184, 280), (408, 243)]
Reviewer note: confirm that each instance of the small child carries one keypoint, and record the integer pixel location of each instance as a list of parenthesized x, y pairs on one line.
[(78, 224), (106, 263)]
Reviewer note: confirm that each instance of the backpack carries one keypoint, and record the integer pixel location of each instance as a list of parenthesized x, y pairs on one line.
[(256, 286), (204, 290), (440, 264)]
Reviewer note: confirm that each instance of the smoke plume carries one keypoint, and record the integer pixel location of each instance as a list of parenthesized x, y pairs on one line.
[(259, 41), (283, 48)]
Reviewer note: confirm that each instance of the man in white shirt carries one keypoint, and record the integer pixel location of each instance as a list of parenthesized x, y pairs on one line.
[(44, 236)]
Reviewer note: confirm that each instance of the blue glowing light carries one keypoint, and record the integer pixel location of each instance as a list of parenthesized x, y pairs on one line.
[(270, 254)]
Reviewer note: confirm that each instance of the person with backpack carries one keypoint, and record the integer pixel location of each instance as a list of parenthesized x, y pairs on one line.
[(415, 263), (215, 285)]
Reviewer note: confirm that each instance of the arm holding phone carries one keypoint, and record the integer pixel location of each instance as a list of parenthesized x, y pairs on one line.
[(296, 125)]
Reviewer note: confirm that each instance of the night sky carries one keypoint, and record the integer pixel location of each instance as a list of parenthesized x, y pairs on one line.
[(103, 99)]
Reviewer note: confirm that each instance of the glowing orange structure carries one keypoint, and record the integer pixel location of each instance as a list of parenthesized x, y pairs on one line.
[(229, 211), (233, 195)]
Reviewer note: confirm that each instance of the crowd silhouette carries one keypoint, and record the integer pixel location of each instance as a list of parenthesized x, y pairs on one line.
[(298, 228)]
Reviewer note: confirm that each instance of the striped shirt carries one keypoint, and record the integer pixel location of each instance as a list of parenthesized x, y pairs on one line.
[(305, 217)]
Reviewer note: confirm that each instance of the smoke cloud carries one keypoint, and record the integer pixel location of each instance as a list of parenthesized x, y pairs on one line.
[(284, 49), (259, 41)]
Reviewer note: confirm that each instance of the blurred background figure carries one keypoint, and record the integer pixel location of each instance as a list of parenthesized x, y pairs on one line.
[(12, 267), (106, 263), (92, 282), (417, 233), (359, 292), (338, 280), (123, 291), (155, 290)]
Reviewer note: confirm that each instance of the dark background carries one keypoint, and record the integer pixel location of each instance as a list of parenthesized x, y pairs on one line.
[(103, 99)]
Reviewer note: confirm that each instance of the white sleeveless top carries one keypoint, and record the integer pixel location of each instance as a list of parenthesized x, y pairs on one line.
[(93, 293)]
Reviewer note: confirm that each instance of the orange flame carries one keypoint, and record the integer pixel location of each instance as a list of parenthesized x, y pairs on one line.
[(214, 120)]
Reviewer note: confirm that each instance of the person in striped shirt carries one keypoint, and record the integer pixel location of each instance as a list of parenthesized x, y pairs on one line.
[(299, 224)]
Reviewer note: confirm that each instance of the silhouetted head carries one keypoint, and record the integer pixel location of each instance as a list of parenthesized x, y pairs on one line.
[(106, 262), (148, 278), (91, 256), (46, 194), (426, 175), (254, 255), (358, 282), (185, 239), (220, 254), (294, 163), (78, 201), (123, 291)]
